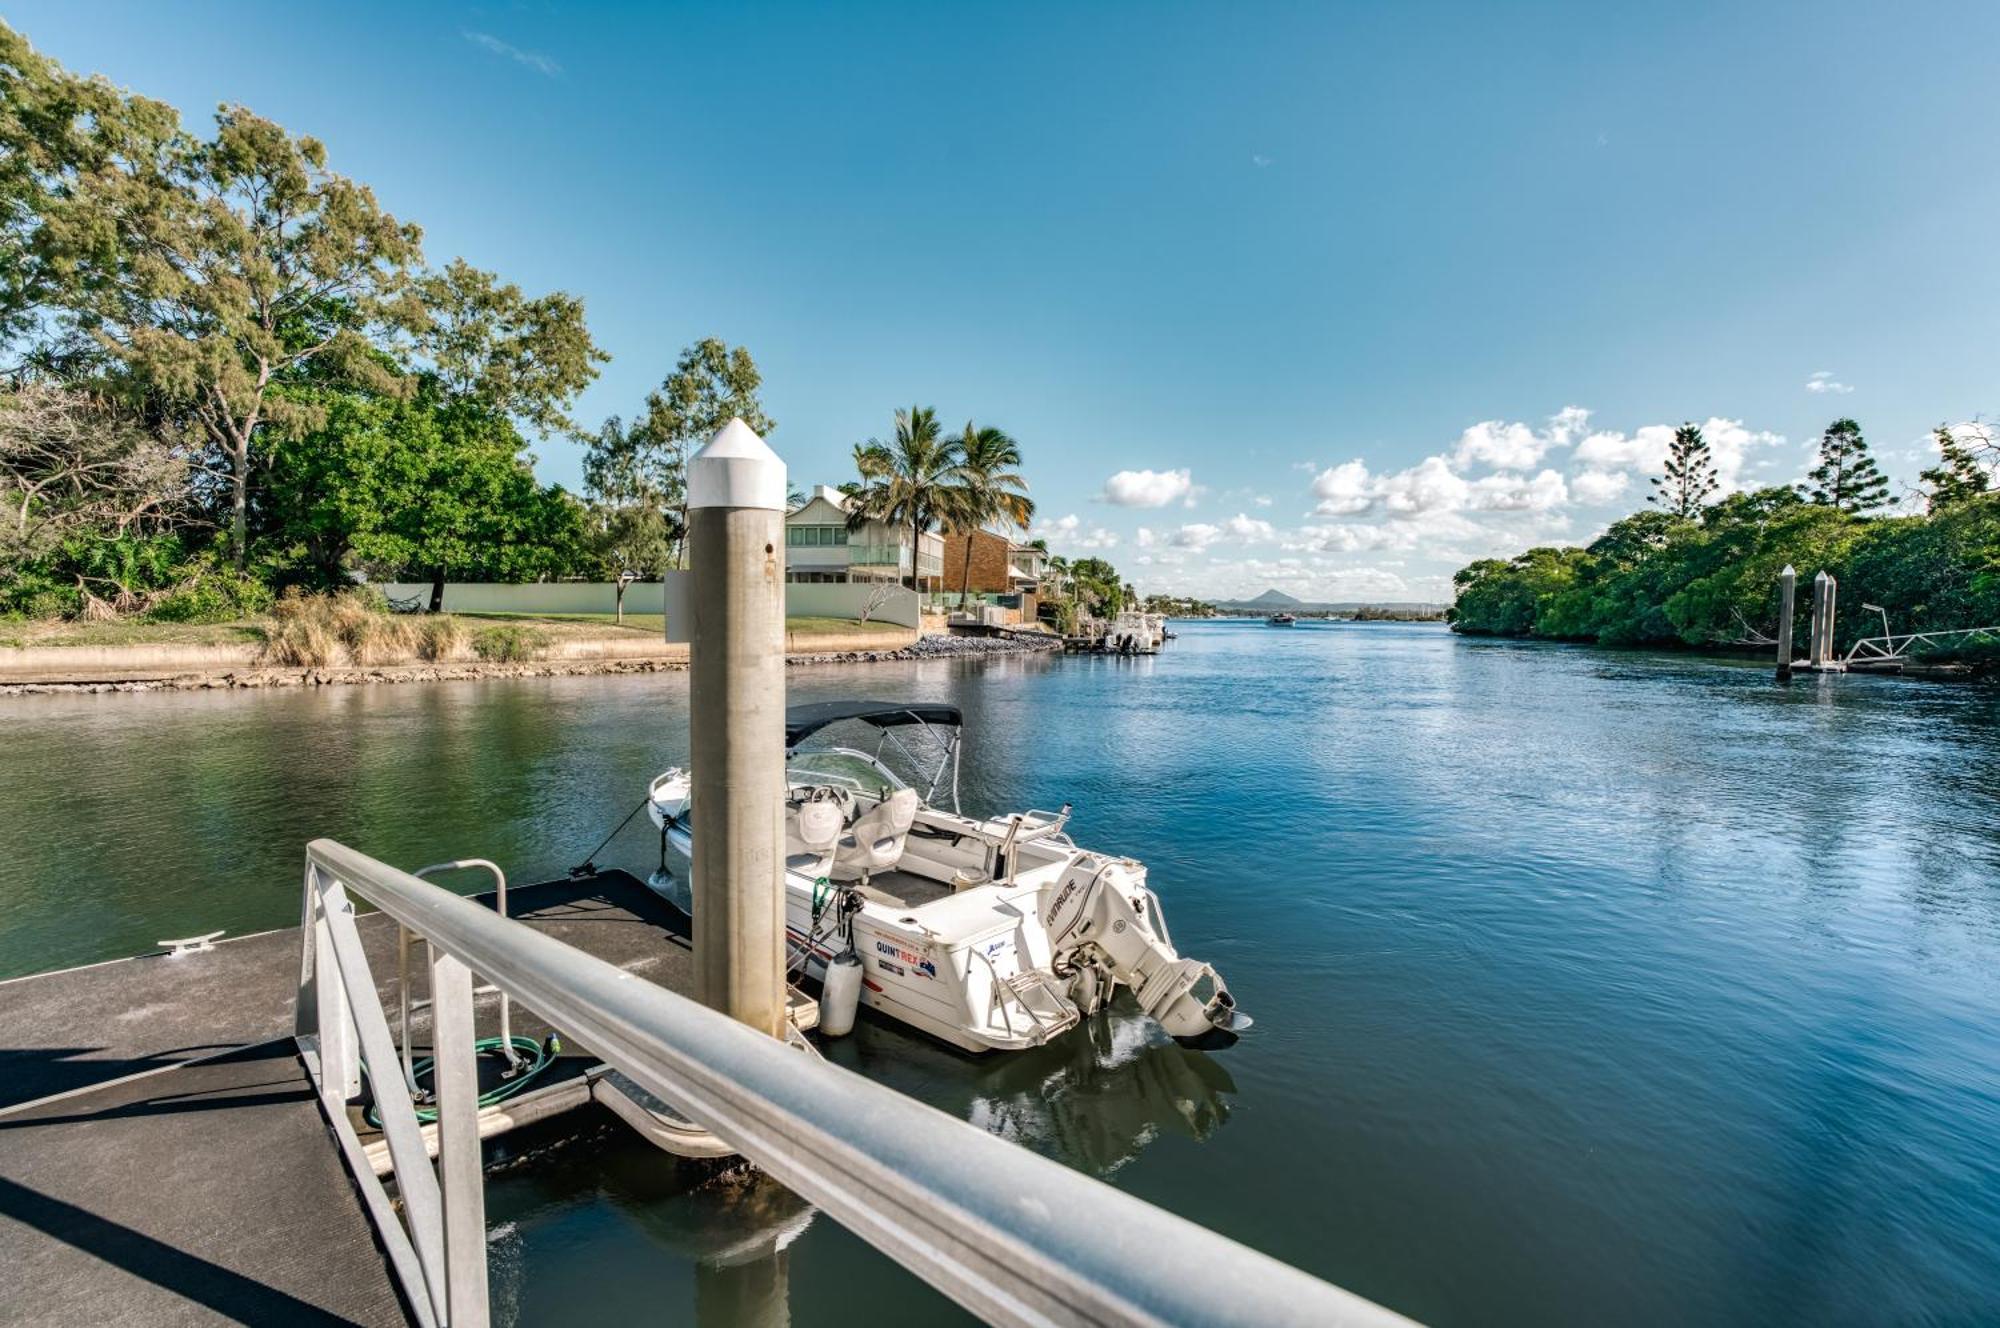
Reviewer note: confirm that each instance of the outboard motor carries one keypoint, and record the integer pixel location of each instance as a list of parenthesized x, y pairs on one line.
[(1100, 913)]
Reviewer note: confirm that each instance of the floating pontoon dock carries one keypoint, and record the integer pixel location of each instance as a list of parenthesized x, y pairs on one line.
[(162, 1152), (168, 1153)]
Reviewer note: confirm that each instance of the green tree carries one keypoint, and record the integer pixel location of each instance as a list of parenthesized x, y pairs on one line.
[(1690, 474), (208, 272), (994, 489), (630, 527), (486, 341), (711, 384), (1099, 588), (432, 485), (1504, 597), (1958, 475), (1846, 477), (917, 480), (56, 130)]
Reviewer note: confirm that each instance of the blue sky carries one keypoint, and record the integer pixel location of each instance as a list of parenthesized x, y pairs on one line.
[(1329, 297)]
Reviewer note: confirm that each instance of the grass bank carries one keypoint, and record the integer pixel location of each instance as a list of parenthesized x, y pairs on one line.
[(350, 635), (21, 633)]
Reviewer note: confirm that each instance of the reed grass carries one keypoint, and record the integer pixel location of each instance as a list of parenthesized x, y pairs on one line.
[(351, 627)]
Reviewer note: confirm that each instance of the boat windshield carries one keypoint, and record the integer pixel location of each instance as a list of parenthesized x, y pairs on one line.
[(842, 768)]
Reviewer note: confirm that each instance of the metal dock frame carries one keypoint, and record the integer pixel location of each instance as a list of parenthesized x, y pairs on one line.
[(1014, 1237)]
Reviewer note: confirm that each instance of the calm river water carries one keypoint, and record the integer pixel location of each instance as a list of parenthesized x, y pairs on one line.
[(1589, 987)]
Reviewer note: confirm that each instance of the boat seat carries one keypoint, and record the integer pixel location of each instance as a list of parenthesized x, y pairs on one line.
[(875, 841), (815, 824)]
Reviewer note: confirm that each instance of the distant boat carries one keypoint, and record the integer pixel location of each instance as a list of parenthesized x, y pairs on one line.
[(1282, 620), (1133, 633)]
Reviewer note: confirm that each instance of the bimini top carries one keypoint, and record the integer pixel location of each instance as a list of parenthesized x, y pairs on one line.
[(802, 721)]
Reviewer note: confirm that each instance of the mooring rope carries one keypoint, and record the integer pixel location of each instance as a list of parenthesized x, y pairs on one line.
[(589, 863)]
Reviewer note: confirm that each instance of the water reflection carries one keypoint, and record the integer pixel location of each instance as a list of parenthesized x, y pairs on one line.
[(1097, 1098), (671, 1234)]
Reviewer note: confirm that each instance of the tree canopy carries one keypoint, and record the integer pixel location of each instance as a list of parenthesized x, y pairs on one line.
[(644, 465), (1846, 476), (1690, 476), (1655, 579), (217, 340)]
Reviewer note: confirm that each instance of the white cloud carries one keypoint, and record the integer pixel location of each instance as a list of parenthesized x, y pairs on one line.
[(1343, 490), (1149, 488), (1249, 529), (1200, 535), (1731, 446), (1517, 446), (1070, 532), (1262, 500), (1597, 486), (1259, 160), (1492, 443), (1519, 493), (1146, 538), (1433, 485), (1824, 382), (534, 60)]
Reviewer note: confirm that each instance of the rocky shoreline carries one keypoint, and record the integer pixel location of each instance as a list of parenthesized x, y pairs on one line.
[(926, 647), (942, 647)]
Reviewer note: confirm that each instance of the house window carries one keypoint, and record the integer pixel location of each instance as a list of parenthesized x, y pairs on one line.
[(815, 536)]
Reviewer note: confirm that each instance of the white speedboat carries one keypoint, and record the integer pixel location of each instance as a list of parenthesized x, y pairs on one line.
[(1132, 633), (993, 934)]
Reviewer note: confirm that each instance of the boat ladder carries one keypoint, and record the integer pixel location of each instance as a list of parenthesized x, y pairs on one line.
[(1049, 1012)]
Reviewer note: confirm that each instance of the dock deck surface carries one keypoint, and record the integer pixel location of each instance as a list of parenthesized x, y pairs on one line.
[(163, 1158), (208, 1193)]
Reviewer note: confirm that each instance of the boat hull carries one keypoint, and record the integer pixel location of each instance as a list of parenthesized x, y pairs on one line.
[(945, 991)]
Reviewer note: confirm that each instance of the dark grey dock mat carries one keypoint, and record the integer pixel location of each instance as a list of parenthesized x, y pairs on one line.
[(81, 1026), (209, 1193)]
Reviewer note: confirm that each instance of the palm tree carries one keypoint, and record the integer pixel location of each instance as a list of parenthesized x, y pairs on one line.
[(994, 491), (918, 480), (1065, 607)]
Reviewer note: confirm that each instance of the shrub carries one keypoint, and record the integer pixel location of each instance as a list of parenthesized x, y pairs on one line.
[(511, 644), (438, 636), (369, 634), (315, 630), (297, 634), (214, 595)]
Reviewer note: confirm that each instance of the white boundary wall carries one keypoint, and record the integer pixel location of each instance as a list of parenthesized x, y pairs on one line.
[(802, 599)]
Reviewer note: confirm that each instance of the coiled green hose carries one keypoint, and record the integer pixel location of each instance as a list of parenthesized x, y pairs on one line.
[(538, 1055)]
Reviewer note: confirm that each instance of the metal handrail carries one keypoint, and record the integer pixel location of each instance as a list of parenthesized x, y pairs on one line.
[(1014, 1237), (492, 869), (1895, 645)]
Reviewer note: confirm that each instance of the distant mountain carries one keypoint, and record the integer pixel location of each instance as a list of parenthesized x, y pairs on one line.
[(1271, 601)]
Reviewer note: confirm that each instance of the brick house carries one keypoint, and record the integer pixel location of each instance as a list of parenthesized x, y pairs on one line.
[(1000, 566)]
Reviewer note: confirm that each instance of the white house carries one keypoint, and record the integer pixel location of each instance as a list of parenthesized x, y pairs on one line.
[(820, 548)]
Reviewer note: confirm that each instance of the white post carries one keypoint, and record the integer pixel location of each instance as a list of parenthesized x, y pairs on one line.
[(736, 507), (339, 1054), (1788, 581), (461, 1179), (1822, 621)]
